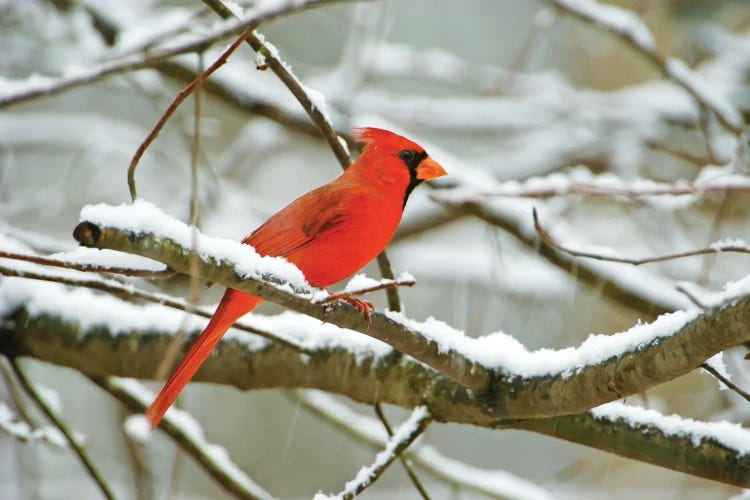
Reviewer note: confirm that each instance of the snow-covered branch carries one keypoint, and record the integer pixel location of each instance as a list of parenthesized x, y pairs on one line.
[(18, 91), (630, 28), (493, 483), (511, 381), (187, 433), (101, 336), (404, 436)]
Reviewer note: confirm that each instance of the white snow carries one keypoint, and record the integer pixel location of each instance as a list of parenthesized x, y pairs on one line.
[(489, 482), (138, 427), (108, 258), (366, 473), (502, 351), (144, 217), (614, 18), (10, 424), (717, 101), (360, 282), (730, 435), (717, 363), (194, 433)]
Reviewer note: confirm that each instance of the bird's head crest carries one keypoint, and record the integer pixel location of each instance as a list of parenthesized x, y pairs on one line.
[(383, 139)]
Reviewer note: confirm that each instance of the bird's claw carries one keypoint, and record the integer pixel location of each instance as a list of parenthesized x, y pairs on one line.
[(363, 306)]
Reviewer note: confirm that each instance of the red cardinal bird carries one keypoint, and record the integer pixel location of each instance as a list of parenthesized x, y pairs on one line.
[(329, 233)]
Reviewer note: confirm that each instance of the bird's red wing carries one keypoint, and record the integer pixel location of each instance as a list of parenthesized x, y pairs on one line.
[(300, 223)]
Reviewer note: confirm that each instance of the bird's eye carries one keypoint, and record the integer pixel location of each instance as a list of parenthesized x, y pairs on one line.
[(406, 155)]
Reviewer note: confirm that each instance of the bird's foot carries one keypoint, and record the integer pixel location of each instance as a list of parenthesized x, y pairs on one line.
[(363, 306)]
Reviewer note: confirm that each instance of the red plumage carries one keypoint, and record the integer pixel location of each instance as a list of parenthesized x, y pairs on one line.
[(329, 233)]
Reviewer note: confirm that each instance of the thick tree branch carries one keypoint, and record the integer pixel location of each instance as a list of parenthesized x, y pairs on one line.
[(674, 345), (367, 378)]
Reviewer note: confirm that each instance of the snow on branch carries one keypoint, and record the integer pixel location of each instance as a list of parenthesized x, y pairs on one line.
[(404, 436), (187, 433), (609, 255), (580, 181), (514, 382), (18, 429), (16, 91), (46, 326), (630, 28), (493, 483)]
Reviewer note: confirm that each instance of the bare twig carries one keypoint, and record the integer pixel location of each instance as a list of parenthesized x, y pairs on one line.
[(56, 419), (89, 268), (404, 436), (181, 96), (393, 283), (404, 460), (713, 371), (714, 249)]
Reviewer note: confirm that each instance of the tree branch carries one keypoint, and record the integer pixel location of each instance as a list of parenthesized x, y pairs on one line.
[(409, 431), (715, 248), (93, 350), (208, 456), (619, 365), (56, 419)]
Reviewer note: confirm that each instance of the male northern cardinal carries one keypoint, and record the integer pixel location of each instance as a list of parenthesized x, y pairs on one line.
[(329, 233)]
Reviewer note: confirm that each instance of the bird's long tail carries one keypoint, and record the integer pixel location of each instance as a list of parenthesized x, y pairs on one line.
[(232, 307)]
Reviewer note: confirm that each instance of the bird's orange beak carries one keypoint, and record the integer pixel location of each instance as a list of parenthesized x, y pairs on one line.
[(429, 169)]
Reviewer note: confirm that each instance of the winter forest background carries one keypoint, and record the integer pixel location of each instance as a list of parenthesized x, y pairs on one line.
[(623, 125)]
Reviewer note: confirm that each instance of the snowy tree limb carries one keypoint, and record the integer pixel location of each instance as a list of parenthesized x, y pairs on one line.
[(630, 28), (98, 351), (343, 315), (58, 421), (672, 350), (183, 430), (404, 436), (43, 86)]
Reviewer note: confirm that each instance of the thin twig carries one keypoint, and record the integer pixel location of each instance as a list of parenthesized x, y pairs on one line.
[(179, 98), (404, 460), (130, 292), (713, 371), (716, 248), (362, 291), (56, 419), (89, 268), (566, 185), (406, 435)]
